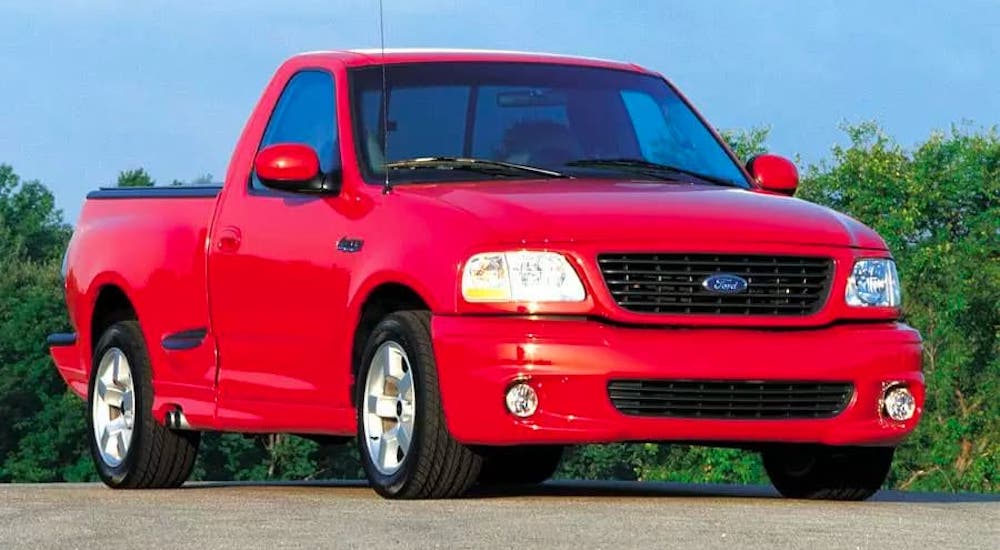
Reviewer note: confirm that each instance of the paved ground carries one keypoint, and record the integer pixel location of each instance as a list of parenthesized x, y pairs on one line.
[(561, 515)]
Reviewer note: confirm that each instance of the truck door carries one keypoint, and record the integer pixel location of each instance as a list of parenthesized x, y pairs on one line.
[(276, 291)]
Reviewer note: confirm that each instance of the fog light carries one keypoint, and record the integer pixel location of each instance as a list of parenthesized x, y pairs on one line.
[(522, 400), (898, 403)]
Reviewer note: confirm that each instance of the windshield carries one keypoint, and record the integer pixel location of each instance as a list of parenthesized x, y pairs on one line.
[(560, 118)]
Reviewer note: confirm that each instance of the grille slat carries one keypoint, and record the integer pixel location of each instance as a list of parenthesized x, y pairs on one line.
[(709, 260), (672, 283), (711, 307), (701, 272), (694, 285), (736, 400)]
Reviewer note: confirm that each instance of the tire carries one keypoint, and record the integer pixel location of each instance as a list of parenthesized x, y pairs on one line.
[(828, 473), (406, 450), (143, 453), (521, 465)]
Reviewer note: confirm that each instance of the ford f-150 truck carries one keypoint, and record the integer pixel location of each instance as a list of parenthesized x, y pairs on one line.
[(469, 260)]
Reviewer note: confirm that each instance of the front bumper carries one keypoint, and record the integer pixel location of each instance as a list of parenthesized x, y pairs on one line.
[(570, 361)]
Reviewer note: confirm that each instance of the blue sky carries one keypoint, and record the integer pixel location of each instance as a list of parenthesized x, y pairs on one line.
[(92, 87)]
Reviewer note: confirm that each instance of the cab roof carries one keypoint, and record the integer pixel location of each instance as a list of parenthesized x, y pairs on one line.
[(375, 56)]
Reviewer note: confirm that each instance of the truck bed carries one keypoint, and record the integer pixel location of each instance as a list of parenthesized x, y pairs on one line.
[(151, 241)]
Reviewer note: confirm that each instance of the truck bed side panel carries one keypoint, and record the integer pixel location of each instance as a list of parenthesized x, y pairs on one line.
[(153, 250)]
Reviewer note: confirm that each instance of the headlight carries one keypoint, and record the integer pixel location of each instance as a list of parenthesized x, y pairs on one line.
[(873, 282), (520, 276)]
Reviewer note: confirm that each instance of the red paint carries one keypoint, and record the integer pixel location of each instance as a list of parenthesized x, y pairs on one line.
[(262, 273), (286, 162), (774, 173)]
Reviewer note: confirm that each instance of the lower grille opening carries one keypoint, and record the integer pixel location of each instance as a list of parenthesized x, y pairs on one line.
[(730, 399)]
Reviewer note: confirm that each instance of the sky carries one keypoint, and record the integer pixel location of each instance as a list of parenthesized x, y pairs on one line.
[(93, 87)]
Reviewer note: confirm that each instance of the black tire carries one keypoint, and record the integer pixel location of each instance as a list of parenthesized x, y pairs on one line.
[(157, 456), (828, 473), (435, 466), (521, 465)]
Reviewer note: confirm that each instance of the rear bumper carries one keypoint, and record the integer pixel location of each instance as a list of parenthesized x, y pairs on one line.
[(570, 362), (65, 354)]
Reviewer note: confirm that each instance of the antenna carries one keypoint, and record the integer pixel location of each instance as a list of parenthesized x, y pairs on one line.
[(385, 101)]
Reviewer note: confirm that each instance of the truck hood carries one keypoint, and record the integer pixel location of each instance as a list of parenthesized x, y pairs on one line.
[(597, 210)]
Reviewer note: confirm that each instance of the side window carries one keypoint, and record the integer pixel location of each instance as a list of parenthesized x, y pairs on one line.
[(305, 113)]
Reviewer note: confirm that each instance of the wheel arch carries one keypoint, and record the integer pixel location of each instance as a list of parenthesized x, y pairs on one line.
[(111, 304), (381, 300)]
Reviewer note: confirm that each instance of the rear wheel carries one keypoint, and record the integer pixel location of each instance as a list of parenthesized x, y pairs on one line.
[(521, 465), (130, 449), (828, 473), (405, 447)]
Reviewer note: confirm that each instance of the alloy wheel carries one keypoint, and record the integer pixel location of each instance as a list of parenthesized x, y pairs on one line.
[(113, 407), (389, 408)]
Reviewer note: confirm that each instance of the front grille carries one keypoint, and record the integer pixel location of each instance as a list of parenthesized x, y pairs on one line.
[(739, 400), (672, 283)]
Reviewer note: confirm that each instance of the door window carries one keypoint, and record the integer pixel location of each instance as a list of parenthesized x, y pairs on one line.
[(305, 113)]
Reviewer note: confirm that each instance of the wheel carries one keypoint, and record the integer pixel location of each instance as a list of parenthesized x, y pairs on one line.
[(522, 465), (405, 447), (130, 449), (829, 473)]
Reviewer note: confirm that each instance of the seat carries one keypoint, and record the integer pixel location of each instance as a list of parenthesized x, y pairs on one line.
[(539, 143)]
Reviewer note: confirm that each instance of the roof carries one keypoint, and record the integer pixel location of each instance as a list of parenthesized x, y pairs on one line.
[(375, 56)]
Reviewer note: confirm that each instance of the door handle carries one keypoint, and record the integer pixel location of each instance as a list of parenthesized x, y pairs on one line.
[(228, 239)]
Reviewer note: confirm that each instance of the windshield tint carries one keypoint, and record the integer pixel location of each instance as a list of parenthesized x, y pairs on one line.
[(541, 115)]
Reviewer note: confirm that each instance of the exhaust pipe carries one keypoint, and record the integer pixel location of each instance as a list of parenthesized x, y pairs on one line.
[(176, 420)]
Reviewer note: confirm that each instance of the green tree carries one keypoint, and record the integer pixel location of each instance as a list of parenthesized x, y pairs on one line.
[(135, 178), (275, 456), (41, 437), (204, 179), (32, 227), (938, 208), (747, 143)]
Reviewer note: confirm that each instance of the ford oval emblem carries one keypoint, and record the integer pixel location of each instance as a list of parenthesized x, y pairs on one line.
[(725, 283)]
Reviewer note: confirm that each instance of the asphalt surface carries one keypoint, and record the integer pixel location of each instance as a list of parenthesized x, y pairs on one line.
[(556, 515)]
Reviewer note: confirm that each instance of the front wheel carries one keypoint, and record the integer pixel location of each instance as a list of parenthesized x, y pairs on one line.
[(827, 473), (405, 447)]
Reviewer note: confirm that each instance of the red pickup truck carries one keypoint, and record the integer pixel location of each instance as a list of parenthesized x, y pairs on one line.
[(468, 260)]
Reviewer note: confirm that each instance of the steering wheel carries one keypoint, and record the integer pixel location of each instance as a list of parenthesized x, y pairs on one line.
[(550, 156)]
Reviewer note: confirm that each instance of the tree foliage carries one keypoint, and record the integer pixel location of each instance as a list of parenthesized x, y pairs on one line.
[(135, 178), (938, 208), (747, 143), (937, 205), (41, 435)]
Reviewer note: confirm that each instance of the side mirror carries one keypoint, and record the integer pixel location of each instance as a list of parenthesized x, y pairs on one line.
[(774, 174), (292, 167)]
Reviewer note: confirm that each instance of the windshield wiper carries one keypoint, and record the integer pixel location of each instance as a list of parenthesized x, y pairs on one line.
[(482, 166), (654, 169)]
